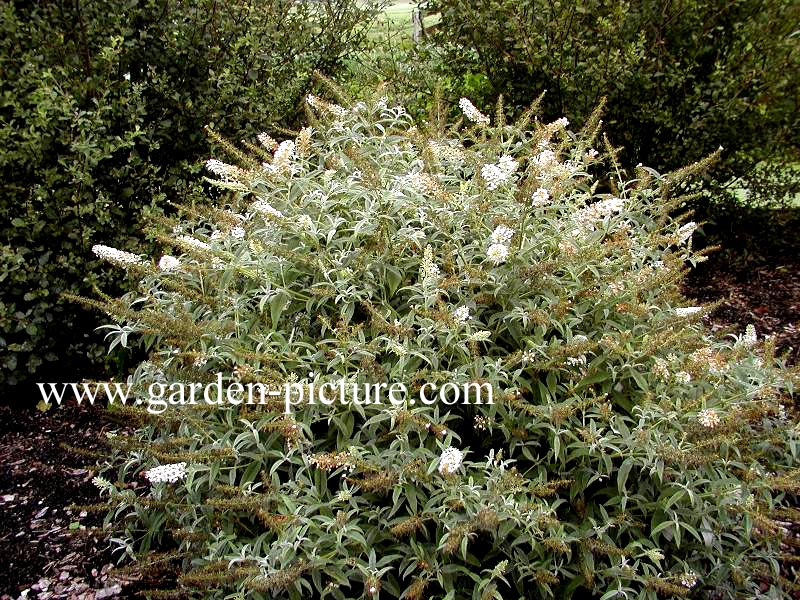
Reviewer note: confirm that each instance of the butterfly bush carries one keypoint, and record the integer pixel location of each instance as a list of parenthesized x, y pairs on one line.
[(627, 453)]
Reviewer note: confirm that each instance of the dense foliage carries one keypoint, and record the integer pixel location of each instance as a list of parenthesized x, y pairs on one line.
[(681, 77), (626, 452), (102, 109)]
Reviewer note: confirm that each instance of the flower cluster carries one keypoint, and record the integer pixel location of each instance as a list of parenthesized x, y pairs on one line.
[(545, 159), (589, 216), (540, 198), (450, 461), (708, 418), (428, 269), (422, 183), (263, 207), (171, 473), (472, 113), (750, 337), (304, 222), (686, 231), (325, 107), (461, 314), (224, 170), (497, 174), (266, 140), (169, 263), (498, 252), (121, 258), (501, 235), (193, 243), (334, 460), (689, 580), (282, 159), (303, 145)]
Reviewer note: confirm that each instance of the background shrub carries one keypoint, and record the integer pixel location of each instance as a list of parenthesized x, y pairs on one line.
[(627, 452), (681, 78), (102, 107)]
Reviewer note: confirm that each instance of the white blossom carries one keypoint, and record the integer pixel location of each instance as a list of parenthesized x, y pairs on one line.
[(497, 253), (222, 169), (507, 165), (609, 206), (577, 361), (282, 159), (540, 197), (689, 580), (686, 231), (497, 174), (120, 258), (597, 211), (493, 176), (480, 336), (304, 222), (750, 337), (545, 158), (472, 113), (450, 461), (461, 314), (396, 347), (193, 242), (101, 483), (267, 141), (654, 555), (708, 418), (616, 287), (661, 369), (419, 182), (325, 107), (448, 152), (688, 311), (263, 207), (237, 232), (502, 235), (428, 270), (166, 473), (169, 263)]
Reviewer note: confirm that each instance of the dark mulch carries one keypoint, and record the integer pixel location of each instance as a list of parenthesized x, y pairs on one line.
[(45, 551), (765, 293)]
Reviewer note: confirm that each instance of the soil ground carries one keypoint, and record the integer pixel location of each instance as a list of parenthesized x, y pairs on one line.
[(42, 557), (766, 294), (47, 551)]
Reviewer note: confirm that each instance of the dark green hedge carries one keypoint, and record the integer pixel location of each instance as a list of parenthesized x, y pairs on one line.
[(102, 109), (682, 77)]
